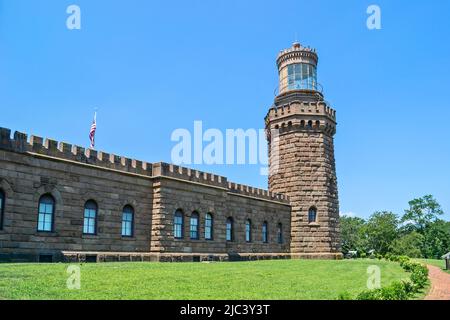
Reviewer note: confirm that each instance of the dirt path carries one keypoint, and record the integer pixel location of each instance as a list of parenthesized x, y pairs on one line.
[(440, 284)]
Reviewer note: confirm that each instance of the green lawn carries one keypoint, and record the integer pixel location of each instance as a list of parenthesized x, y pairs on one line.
[(276, 279), (435, 262)]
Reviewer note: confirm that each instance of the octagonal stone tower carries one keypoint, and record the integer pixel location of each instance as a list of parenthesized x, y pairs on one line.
[(300, 127)]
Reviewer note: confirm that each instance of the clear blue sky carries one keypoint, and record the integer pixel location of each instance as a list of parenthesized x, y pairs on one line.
[(154, 66)]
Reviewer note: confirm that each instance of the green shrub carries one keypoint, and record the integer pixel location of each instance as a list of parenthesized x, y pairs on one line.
[(399, 290), (395, 291), (419, 276), (409, 287), (374, 294), (402, 259), (363, 255)]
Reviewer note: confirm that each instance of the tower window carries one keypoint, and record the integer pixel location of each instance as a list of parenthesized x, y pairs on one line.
[(209, 226), (2, 208), (310, 124), (248, 231), (194, 226), (265, 237), (178, 224), (229, 229), (127, 221), (312, 215), (317, 124), (302, 123), (46, 213), (302, 76), (90, 217)]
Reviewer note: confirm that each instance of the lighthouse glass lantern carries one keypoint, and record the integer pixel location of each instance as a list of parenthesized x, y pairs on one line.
[(302, 76)]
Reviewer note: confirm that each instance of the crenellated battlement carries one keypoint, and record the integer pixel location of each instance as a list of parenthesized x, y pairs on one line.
[(65, 151), (178, 172), (302, 116), (62, 151), (296, 52), (301, 107), (255, 192)]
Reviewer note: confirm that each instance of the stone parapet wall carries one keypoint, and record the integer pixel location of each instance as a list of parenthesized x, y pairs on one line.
[(61, 151)]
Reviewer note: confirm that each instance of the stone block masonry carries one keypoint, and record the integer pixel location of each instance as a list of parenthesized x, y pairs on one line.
[(33, 167), (301, 127)]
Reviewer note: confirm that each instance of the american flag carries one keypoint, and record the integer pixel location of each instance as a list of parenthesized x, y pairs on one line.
[(92, 131)]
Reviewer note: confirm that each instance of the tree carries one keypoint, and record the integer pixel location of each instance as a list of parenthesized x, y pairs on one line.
[(381, 230), (436, 239), (408, 245), (352, 237), (422, 212)]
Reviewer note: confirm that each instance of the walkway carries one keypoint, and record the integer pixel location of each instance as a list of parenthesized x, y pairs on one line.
[(440, 284)]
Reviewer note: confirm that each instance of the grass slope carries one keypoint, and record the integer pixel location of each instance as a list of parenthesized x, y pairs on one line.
[(285, 279)]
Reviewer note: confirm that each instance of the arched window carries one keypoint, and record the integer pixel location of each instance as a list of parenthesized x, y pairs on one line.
[(194, 226), (248, 231), (312, 214), (2, 208), (229, 235), (265, 237), (280, 233), (46, 213), (302, 123), (178, 224), (310, 124), (127, 221), (317, 124), (209, 225), (90, 217)]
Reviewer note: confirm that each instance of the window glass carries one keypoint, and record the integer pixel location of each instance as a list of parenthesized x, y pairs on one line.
[(127, 221), (45, 215), (90, 218)]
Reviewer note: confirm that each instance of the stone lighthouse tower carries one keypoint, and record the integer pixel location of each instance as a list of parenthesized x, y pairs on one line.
[(300, 127)]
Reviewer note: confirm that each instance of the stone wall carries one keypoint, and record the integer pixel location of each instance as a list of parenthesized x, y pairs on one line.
[(170, 195), (32, 167), (25, 179), (302, 166)]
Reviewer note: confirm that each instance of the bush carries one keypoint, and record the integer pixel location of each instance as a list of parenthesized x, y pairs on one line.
[(363, 255), (419, 276), (403, 259), (400, 290), (396, 291), (409, 287), (374, 294)]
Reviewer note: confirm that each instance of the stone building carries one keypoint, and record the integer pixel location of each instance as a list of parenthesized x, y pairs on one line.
[(63, 202)]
